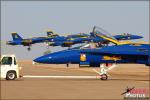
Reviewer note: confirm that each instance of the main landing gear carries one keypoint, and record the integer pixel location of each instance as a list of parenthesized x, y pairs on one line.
[(104, 68), (29, 48), (67, 65)]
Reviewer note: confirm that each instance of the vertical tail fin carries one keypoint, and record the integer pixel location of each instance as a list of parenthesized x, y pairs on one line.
[(50, 33), (15, 36)]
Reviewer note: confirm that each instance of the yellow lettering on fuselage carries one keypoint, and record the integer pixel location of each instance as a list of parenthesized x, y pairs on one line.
[(111, 58)]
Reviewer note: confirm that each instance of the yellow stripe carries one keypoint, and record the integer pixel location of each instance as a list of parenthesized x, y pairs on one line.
[(68, 42), (84, 37), (121, 43), (14, 33), (112, 40), (49, 30)]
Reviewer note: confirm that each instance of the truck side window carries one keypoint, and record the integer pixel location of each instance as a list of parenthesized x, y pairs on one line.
[(14, 61), (6, 61)]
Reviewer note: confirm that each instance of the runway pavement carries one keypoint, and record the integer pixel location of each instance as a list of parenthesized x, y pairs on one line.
[(56, 82)]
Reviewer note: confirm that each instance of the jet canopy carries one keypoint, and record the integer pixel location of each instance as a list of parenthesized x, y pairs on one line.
[(102, 32), (97, 31)]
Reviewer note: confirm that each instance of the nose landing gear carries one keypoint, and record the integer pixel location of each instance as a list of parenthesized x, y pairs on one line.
[(104, 68), (104, 77)]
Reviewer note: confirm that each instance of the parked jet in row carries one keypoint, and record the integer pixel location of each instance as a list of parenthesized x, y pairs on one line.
[(119, 52), (18, 40), (54, 39), (69, 40), (51, 36)]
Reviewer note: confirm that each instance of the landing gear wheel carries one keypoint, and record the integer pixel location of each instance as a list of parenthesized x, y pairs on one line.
[(67, 65), (104, 77), (29, 48), (11, 76)]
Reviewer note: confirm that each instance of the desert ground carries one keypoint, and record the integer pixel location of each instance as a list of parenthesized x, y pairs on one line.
[(121, 77)]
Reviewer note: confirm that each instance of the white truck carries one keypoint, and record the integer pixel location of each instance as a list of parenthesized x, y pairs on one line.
[(9, 67)]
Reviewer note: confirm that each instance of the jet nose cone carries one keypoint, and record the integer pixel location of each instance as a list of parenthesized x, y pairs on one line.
[(139, 37), (61, 57), (8, 42), (40, 59)]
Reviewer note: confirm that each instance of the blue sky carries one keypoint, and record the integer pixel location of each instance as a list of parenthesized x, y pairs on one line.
[(33, 18)]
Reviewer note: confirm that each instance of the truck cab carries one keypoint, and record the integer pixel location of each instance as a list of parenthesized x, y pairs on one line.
[(9, 67)]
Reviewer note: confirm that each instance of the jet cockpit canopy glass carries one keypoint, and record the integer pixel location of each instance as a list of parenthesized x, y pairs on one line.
[(102, 32)]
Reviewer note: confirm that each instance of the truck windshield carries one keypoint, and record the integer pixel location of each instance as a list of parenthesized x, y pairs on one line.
[(6, 61)]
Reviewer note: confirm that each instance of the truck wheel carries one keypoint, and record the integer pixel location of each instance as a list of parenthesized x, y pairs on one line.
[(11, 75), (104, 77)]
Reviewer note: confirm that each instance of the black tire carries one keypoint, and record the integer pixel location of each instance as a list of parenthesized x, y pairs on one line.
[(29, 48), (11, 75), (104, 77)]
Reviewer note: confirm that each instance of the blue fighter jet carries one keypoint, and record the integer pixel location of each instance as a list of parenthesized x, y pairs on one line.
[(18, 40), (54, 39), (66, 41), (69, 40), (116, 53)]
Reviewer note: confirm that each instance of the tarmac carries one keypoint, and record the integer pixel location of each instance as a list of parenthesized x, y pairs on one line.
[(47, 81)]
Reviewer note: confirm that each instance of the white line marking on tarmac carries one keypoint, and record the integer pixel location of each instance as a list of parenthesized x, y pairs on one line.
[(74, 77)]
